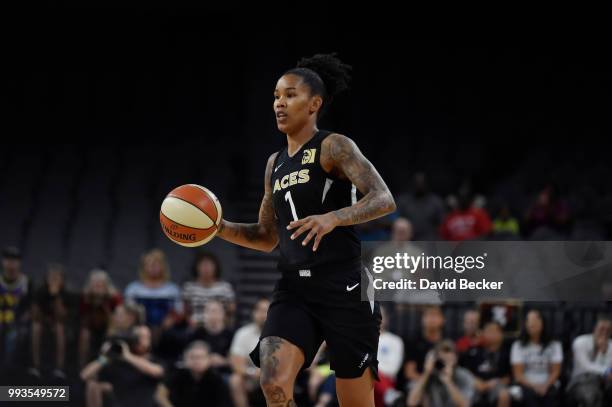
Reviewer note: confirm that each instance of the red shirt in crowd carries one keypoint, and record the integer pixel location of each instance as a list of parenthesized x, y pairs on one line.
[(465, 224), (466, 342)]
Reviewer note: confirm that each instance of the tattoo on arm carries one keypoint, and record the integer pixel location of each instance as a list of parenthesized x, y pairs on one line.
[(377, 201)]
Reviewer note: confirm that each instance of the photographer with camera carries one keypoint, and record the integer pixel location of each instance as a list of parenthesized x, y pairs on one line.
[(125, 370), (443, 383)]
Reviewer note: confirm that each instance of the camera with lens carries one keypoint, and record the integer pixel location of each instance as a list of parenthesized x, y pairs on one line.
[(115, 341), (439, 364)]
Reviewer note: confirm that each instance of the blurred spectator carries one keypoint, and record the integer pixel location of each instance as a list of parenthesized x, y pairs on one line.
[(214, 331), (321, 381), (401, 231), (591, 382), (401, 236), (53, 309), (588, 214), (465, 222), (432, 324), (549, 213), (98, 302), (154, 291), (443, 383), (15, 299), (390, 356), (125, 317), (536, 362), (245, 376), (490, 364), (207, 286), (471, 331), (197, 384), (376, 229), (505, 224), (125, 371), (423, 208)]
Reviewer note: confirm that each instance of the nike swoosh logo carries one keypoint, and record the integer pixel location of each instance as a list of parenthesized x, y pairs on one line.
[(277, 167), (351, 288)]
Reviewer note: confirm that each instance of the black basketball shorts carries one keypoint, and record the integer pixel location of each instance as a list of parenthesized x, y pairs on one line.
[(312, 306)]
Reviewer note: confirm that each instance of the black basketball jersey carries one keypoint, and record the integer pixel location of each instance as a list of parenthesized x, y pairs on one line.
[(300, 188)]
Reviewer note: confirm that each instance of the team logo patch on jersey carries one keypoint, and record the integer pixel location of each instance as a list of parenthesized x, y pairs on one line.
[(309, 156)]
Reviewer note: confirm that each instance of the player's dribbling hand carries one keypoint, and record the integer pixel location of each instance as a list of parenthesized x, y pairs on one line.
[(318, 225)]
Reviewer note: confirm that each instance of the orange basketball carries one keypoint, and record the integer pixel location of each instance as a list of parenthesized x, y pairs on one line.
[(190, 215)]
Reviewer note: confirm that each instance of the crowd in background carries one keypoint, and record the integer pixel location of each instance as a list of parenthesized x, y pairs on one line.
[(549, 214), (158, 342)]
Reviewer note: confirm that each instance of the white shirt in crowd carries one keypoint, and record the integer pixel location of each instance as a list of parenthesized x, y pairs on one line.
[(196, 296), (536, 361), (585, 361), (390, 354), (245, 340)]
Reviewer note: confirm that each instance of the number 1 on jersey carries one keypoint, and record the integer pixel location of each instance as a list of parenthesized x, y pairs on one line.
[(290, 200)]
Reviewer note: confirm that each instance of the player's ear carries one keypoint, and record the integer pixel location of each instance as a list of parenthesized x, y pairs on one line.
[(315, 103)]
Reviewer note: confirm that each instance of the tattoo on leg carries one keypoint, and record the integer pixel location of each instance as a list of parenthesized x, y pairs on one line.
[(276, 395), (269, 362)]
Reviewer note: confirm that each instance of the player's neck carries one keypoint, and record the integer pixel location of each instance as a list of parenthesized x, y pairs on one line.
[(296, 140)]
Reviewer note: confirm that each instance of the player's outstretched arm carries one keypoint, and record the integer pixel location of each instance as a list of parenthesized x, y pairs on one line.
[(341, 156), (261, 235)]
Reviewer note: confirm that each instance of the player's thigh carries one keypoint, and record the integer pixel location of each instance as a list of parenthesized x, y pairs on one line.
[(280, 360), (357, 392)]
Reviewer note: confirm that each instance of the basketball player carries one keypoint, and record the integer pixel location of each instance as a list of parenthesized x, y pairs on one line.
[(309, 207)]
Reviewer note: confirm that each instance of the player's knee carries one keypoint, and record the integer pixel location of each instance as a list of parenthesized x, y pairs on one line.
[(271, 376)]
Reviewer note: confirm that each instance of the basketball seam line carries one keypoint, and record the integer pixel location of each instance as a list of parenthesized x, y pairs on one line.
[(195, 206), (186, 226)]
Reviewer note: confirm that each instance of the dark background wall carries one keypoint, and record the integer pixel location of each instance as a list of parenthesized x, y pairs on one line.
[(110, 109)]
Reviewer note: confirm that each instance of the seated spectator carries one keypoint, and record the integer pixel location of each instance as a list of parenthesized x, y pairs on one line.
[(15, 302), (98, 302), (432, 324), (52, 309), (159, 296), (390, 356), (471, 331), (213, 330), (124, 372), (322, 380), (245, 375), (207, 286), (443, 383), (376, 229), (423, 208), (466, 222), (490, 364), (124, 318), (197, 384), (548, 212), (401, 236), (505, 224), (591, 382), (536, 362)]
